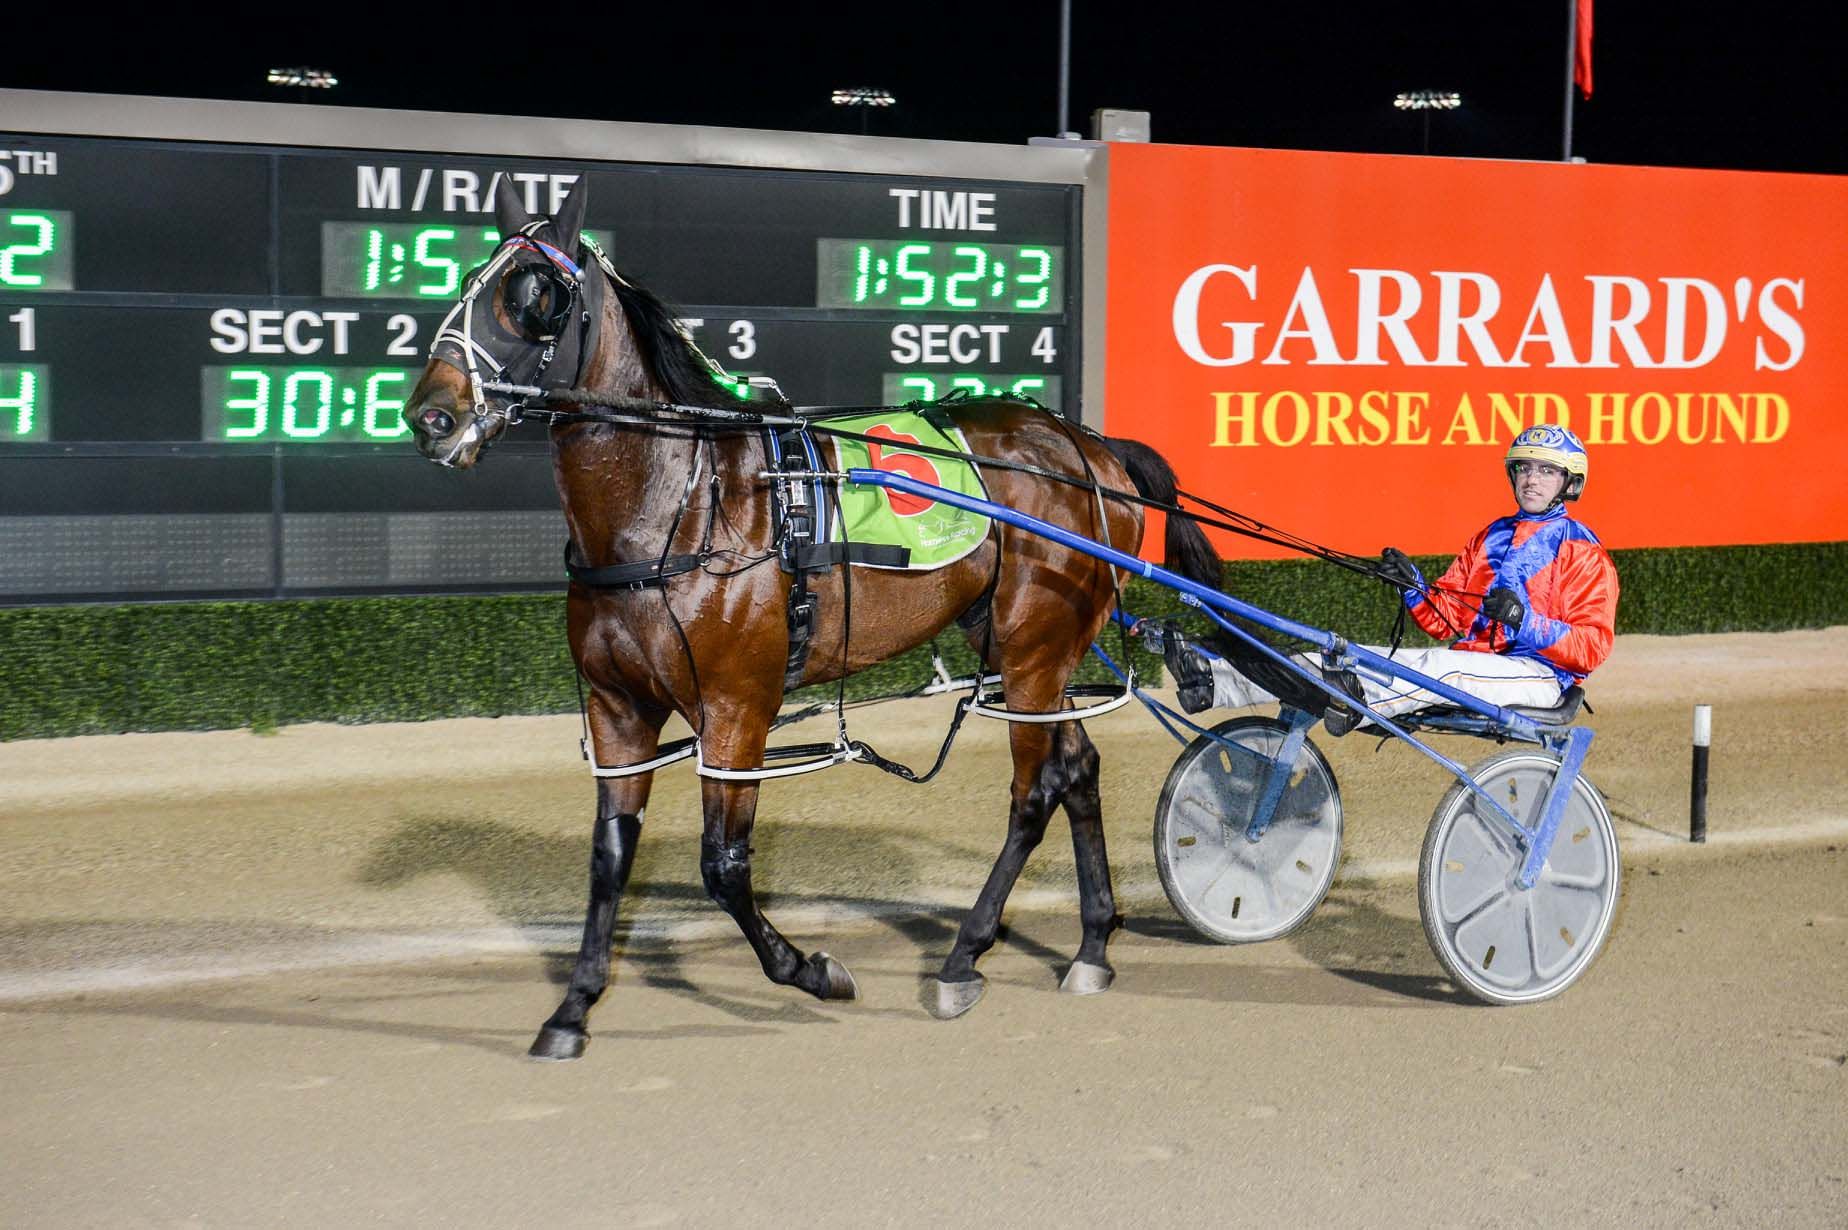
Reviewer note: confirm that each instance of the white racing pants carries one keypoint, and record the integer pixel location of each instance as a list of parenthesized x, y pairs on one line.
[(1493, 677)]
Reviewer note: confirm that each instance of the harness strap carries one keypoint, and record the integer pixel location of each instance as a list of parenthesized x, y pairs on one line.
[(643, 575), (804, 529), (828, 554)]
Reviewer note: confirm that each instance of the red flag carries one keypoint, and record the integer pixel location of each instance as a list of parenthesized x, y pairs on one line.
[(1581, 56)]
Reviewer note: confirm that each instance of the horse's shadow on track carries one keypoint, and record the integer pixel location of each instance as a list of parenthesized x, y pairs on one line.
[(537, 882)]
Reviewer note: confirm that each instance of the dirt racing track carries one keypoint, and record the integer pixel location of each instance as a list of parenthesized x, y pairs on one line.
[(291, 979)]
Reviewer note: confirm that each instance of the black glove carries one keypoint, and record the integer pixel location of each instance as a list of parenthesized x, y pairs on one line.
[(1505, 608), (1396, 567)]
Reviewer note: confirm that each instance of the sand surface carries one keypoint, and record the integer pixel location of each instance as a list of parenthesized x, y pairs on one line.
[(281, 980)]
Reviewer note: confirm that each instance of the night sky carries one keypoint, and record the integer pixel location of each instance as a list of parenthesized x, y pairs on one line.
[(1677, 84)]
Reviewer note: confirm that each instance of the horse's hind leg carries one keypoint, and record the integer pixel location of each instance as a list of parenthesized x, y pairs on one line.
[(1039, 784), (1091, 971), (725, 867), (612, 853)]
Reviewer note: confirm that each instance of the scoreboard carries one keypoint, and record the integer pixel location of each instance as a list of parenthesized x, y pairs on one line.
[(205, 344)]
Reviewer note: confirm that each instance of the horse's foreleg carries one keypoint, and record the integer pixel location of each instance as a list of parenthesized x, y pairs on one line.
[(1091, 972), (620, 737), (725, 868), (1039, 783)]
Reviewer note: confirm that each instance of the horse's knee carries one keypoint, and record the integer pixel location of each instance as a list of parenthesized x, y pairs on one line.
[(1027, 822), (1082, 764), (725, 869), (1073, 766)]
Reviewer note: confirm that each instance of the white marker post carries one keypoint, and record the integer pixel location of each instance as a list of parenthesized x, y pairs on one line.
[(1697, 799)]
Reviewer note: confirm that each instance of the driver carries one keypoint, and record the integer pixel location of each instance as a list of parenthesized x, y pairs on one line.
[(1529, 606)]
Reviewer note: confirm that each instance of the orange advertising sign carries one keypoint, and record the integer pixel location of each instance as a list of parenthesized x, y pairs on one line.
[(1343, 345)]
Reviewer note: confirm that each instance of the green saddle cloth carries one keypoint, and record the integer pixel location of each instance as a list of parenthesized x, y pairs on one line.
[(936, 534)]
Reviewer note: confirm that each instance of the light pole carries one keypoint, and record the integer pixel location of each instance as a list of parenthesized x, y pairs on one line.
[(304, 79), (865, 98), (1425, 102)]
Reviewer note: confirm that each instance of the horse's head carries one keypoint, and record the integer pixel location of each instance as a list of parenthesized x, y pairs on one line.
[(524, 318)]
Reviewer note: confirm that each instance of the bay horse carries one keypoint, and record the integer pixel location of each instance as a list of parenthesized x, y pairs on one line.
[(710, 642)]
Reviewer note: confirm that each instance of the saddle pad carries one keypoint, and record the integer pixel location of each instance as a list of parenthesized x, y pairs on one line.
[(935, 533)]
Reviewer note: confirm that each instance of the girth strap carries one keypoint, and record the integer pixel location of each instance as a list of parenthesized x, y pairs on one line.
[(828, 554), (642, 575)]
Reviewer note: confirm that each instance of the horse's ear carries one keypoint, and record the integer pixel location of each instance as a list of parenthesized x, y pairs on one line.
[(509, 211), (570, 218)]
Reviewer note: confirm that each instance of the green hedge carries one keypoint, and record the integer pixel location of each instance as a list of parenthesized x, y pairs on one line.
[(200, 666)]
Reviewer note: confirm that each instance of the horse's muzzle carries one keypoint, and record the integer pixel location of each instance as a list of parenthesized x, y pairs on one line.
[(436, 423)]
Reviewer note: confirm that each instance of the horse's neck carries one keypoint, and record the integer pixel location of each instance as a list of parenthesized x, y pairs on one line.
[(624, 490)]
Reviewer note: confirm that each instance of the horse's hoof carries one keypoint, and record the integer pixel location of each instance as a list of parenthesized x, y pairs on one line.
[(1083, 978), (559, 1044), (840, 983), (956, 998)]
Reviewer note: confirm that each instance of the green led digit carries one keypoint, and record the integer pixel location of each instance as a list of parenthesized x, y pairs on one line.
[(1029, 386), (863, 271), (926, 387), (1039, 279), (292, 404), (975, 272), (927, 283), (258, 403), (449, 271), (393, 425), (375, 256), (972, 383), (47, 231), (23, 405)]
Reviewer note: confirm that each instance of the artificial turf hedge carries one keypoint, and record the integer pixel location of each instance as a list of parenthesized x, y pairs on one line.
[(72, 670)]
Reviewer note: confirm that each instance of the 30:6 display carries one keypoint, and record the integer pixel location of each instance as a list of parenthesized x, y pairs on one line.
[(307, 404)]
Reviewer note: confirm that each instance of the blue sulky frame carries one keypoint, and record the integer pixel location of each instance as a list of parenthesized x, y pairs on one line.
[(1570, 744)]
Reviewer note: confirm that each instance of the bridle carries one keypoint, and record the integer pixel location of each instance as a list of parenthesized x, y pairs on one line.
[(543, 296)]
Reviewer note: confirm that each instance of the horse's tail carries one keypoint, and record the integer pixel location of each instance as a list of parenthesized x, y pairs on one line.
[(1186, 549), (1191, 555)]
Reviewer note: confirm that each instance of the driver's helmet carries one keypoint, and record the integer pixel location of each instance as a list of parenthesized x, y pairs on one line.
[(1553, 445)]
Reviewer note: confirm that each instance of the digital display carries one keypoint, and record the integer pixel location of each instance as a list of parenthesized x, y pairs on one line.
[(385, 260), (35, 249), (271, 405), (939, 276), (929, 386), (231, 351), (25, 403)]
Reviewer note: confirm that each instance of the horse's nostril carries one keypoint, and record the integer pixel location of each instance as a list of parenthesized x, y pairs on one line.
[(436, 422)]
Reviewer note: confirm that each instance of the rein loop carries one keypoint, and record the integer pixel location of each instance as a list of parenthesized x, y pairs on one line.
[(617, 410)]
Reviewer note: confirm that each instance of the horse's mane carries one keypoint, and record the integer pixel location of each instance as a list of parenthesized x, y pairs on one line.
[(683, 375)]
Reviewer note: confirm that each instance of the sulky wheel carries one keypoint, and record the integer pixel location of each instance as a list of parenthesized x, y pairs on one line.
[(1228, 887), (1501, 943)]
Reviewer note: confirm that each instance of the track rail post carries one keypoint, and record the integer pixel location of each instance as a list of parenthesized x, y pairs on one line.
[(1697, 789)]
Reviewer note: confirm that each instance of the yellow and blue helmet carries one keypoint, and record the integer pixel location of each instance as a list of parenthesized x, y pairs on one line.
[(1553, 445)]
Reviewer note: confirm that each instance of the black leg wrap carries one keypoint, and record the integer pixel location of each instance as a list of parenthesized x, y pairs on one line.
[(725, 869), (612, 854), (610, 861)]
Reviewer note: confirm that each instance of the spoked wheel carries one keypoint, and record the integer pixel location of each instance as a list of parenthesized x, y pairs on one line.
[(1501, 943), (1230, 888)]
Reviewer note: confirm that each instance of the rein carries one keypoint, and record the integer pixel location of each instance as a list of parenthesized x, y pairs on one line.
[(614, 409), (617, 410)]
